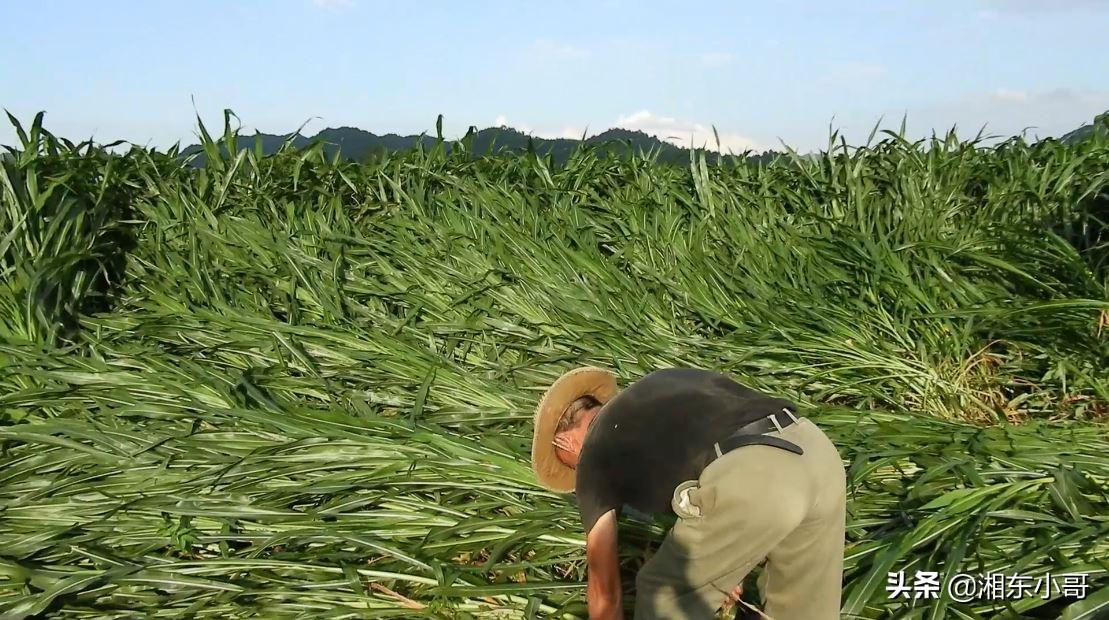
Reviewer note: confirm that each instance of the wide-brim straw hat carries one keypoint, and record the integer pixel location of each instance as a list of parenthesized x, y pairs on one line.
[(585, 381)]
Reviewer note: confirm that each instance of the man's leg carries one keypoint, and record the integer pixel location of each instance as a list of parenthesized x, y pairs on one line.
[(757, 502), (750, 500), (804, 573)]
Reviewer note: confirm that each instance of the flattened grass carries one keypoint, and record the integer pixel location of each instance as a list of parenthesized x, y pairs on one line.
[(307, 393)]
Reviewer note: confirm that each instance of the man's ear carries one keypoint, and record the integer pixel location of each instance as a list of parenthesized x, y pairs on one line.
[(566, 457)]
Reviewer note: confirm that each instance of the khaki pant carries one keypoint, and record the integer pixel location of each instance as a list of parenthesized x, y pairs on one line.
[(756, 502)]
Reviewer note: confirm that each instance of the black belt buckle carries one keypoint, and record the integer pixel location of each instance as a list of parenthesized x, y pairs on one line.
[(768, 424)]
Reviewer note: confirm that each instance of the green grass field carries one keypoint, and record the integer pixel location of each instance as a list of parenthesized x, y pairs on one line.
[(291, 387)]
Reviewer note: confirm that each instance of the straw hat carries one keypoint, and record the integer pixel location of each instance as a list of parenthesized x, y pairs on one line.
[(586, 381)]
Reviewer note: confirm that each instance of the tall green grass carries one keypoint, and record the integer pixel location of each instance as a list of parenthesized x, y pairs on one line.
[(292, 386)]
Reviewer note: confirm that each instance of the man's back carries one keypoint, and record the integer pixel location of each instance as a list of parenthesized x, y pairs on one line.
[(659, 432)]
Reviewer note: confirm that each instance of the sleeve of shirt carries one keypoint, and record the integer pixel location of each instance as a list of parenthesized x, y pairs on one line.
[(595, 495)]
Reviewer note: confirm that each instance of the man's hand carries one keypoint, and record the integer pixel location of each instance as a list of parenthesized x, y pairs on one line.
[(734, 596), (603, 560)]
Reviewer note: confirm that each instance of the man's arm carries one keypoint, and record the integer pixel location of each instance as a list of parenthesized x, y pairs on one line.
[(603, 560)]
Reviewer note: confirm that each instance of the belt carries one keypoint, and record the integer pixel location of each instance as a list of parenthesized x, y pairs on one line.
[(755, 434)]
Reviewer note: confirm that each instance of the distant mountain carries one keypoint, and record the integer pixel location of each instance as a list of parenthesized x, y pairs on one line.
[(358, 144), (1100, 126)]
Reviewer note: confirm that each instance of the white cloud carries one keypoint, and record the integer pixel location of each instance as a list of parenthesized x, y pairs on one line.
[(502, 121), (548, 133), (333, 5), (676, 131), (716, 59), (555, 50), (568, 132), (679, 132), (685, 133)]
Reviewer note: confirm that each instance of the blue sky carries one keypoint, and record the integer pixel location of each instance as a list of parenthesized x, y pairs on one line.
[(762, 72)]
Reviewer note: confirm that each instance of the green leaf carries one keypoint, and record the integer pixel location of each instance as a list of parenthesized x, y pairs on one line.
[(1092, 607)]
